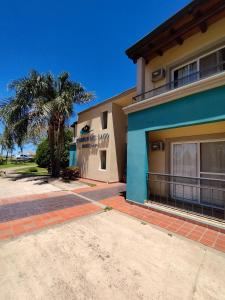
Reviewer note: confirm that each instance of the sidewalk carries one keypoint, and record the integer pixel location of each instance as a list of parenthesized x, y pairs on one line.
[(21, 215), (206, 236)]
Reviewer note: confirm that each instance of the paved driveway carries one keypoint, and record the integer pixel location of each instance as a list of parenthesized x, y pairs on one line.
[(109, 256)]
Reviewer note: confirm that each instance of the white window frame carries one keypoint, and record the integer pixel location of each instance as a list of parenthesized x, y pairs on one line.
[(197, 59), (198, 142)]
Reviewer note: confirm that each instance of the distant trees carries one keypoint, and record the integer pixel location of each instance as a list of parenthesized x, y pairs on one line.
[(2, 144), (7, 142), (43, 102)]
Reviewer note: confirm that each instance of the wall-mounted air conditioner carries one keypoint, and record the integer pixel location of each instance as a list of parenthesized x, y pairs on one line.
[(158, 74), (157, 146)]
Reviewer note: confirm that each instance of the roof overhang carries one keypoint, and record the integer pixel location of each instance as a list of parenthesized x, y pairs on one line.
[(193, 18)]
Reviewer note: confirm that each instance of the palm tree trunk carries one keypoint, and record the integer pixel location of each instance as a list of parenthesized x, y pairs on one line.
[(51, 141), (56, 145)]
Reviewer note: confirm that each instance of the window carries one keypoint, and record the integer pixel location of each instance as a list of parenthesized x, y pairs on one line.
[(103, 159), (204, 159), (208, 65), (201, 67), (213, 157), (104, 119), (185, 74)]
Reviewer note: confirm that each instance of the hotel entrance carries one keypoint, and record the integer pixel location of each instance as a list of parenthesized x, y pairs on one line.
[(189, 171)]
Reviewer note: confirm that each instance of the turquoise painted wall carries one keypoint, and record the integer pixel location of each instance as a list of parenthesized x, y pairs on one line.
[(73, 155), (204, 107)]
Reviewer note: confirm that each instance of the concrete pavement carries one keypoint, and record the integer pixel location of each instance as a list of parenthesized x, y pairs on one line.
[(109, 256)]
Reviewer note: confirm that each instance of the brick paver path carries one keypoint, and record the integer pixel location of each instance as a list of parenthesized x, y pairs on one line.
[(20, 215), (206, 236), (104, 192)]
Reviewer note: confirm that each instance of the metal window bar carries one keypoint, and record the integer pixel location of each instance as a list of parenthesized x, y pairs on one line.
[(193, 77), (201, 195)]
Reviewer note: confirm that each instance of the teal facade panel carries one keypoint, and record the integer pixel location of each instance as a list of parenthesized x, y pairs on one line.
[(73, 155), (204, 107)]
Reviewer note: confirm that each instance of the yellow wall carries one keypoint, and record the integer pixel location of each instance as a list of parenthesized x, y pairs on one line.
[(159, 160), (191, 47)]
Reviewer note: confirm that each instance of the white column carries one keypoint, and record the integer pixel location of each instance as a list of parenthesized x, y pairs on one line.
[(140, 75)]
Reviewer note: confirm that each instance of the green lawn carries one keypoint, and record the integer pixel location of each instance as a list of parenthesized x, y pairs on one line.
[(33, 170), (19, 164)]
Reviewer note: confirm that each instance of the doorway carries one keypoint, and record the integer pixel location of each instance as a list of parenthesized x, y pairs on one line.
[(204, 161)]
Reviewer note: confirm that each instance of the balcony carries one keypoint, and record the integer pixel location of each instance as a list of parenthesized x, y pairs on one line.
[(199, 195), (181, 82)]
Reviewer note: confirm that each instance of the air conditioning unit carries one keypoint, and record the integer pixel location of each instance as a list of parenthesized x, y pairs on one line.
[(158, 74), (157, 146)]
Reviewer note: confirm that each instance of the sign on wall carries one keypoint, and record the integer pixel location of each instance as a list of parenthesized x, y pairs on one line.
[(93, 141)]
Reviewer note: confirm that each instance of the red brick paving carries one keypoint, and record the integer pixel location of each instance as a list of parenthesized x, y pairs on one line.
[(210, 237), (15, 228), (21, 225), (24, 224), (206, 236)]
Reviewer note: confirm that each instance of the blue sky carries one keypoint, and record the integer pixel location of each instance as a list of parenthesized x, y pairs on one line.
[(86, 38)]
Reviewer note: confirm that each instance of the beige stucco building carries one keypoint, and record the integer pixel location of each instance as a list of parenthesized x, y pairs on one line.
[(99, 147)]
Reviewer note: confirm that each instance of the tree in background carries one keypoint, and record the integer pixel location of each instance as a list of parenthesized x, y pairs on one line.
[(7, 142), (2, 144), (43, 152), (42, 156), (43, 102)]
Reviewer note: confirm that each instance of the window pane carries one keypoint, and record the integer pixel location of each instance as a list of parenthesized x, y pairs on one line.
[(222, 59), (185, 164), (185, 75), (104, 119), (208, 65), (103, 159), (213, 157), (213, 191)]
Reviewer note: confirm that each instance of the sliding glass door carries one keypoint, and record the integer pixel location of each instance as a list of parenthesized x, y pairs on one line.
[(185, 164), (201, 159), (212, 155)]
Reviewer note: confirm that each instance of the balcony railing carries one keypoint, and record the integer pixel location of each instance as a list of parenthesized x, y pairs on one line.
[(193, 77), (201, 195)]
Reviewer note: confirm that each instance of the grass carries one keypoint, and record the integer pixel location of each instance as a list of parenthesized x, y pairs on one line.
[(107, 208), (33, 170), (17, 165)]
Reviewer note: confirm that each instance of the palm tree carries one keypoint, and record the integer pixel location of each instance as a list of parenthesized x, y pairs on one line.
[(43, 102)]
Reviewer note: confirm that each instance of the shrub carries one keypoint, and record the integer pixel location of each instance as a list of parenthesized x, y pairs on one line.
[(71, 172), (1, 160), (32, 169), (43, 152)]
